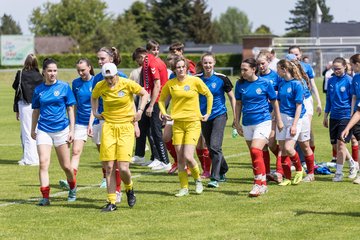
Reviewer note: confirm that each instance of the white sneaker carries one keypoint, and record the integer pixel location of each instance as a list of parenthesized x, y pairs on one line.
[(353, 170), (198, 186), (182, 192), (118, 197), (255, 191), (154, 163), (138, 160), (338, 177), (357, 180), (263, 189), (309, 178), (162, 167)]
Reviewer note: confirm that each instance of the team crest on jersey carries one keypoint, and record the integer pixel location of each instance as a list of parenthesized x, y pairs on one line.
[(90, 89), (288, 90), (213, 85), (342, 89), (258, 91), (121, 94), (272, 82), (56, 93), (186, 88)]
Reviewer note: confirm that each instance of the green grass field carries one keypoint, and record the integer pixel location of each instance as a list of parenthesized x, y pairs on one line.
[(318, 210)]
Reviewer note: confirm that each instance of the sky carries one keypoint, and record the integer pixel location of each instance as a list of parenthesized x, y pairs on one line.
[(272, 13)]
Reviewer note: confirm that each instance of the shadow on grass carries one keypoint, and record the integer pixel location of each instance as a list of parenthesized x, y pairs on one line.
[(349, 214), (8, 161), (163, 193)]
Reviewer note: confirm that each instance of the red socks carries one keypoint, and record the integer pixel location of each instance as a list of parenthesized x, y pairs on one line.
[(355, 153), (171, 149), (75, 172), (45, 191), (204, 158), (334, 152), (309, 160), (286, 166), (258, 164), (296, 162), (118, 178), (266, 156), (279, 168)]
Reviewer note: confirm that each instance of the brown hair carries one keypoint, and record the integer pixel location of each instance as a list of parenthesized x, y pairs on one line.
[(291, 67), (176, 45), (264, 54), (112, 52), (355, 58), (31, 63), (253, 64), (152, 44), (302, 73), (88, 63), (208, 54), (179, 59)]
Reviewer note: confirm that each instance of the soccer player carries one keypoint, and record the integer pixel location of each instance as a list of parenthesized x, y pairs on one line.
[(106, 55), (52, 101), (81, 88), (24, 84), (291, 98), (184, 92), (252, 96), (213, 128), (117, 136)]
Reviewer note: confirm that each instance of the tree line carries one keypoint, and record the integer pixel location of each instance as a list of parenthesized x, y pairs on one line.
[(166, 21)]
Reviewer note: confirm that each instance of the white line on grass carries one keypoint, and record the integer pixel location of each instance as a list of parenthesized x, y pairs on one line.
[(93, 185)]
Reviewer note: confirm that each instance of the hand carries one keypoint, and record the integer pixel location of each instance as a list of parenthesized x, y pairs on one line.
[(33, 135), (293, 131), (70, 137), (319, 110), (166, 117), (137, 130), (205, 117), (344, 134), (280, 125), (240, 130), (99, 116), (90, 132), (149, 110), (234, 123), (326, 123), (17, 116), (137, 116)]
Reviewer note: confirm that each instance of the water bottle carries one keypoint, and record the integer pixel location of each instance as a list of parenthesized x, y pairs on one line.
[(234, 133)]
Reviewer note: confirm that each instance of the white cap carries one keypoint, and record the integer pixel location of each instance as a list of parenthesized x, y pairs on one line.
[(109, 70)]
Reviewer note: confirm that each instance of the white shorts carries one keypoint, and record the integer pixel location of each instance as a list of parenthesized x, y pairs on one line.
[(259, 131), (309, 105), (97, 128), (285, 133), (170, 122), (80, 132), (305, 129), (55, 138)]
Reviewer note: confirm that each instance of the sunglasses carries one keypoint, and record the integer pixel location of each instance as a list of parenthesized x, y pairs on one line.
[(177, 49)]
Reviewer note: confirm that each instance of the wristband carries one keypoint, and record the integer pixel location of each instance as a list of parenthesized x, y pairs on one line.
[(141, 109)]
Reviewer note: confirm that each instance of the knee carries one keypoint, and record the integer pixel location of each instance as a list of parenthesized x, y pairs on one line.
[(76, 151)]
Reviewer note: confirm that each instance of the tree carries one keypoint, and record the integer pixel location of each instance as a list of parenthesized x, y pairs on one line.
[(303, 15), (263, 29), (9, 26), (201, 28), (233, 24), (80, 19)]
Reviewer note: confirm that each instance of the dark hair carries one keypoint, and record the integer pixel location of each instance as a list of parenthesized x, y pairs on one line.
[(152, 44), (179, 59), (342, 61), (112, 52), (31, 63), (170, 60), (88, 63), (293, 47), (253, 64), (355, 58), (47, 62), (291, 67), (176, 45), (138, 51)]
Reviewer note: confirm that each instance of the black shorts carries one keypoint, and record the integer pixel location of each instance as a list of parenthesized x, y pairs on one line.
[(336, 127), (356, 131)]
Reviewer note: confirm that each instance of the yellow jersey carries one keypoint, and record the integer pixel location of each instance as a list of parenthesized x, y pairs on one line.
[(185, 104), (118, 101)]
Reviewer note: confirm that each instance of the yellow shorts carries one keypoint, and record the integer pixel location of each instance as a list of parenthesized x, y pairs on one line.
[(185, 132), (117, 142)]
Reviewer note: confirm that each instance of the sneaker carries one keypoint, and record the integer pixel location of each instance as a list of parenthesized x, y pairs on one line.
[(103, 183), (198, 186), (357, 180), (138, 160), (205, 174), (255, 191), (162, 167), (353, 170), (298, 177), (173, 168), (154, 163), (22, 162), (131, 198), (72, 195), (44, 202), (118, 197), (333, 160), (109, 208), (64, 184), (285, 182), (213, 184), (277, 177), (222, 178), (263, 189), (338, 177), (309, 178), (182, 192)]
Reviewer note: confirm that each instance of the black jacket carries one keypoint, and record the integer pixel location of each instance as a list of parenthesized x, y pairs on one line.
[(29, 80)]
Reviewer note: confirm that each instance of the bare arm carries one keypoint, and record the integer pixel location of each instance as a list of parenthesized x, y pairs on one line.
[(238, 109), (154, 94), (315, 91), (143, 101), (71, 115), (275, 105), (34, 122), (232, 100)]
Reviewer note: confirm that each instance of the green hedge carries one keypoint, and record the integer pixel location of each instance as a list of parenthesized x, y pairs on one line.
[(69, 60)]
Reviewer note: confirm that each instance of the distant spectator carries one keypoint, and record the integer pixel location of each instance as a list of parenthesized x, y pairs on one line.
[(327, 73), (273, 60)]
